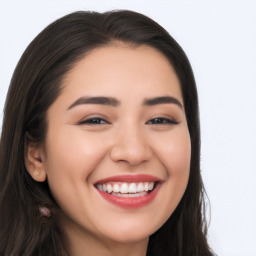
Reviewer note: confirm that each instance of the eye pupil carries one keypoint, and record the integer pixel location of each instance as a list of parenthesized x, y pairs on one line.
[(159, 120), (96, 121)]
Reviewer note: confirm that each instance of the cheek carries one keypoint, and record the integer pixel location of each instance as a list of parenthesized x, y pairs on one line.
[(178, 162), (72, 149), (70, 160), (175, 154)]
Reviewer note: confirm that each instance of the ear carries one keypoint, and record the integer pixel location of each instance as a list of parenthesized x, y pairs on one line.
[(35, 160)]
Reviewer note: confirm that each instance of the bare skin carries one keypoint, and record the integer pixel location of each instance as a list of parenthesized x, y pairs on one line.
[(141, 129)]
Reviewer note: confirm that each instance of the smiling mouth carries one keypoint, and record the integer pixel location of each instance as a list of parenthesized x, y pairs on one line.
[(124, 189), (129, 191)]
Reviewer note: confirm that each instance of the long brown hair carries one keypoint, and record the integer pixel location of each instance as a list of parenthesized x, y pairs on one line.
[(35, 85)]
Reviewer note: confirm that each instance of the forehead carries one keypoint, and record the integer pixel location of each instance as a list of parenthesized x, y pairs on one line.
[(123, 69)]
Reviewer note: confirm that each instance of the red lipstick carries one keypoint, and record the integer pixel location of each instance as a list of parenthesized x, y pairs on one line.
[(124, 200)]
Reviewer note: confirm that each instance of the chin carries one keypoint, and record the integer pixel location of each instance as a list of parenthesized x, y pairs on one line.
[(130, 235), (130, 238)]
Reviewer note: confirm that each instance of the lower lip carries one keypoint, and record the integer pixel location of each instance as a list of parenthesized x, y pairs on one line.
[(131, 202)]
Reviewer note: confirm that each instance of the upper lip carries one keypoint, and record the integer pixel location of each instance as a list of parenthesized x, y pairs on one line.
[(130, 178)]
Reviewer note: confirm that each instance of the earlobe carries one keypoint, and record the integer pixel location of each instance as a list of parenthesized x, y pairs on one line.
[(34, 161)]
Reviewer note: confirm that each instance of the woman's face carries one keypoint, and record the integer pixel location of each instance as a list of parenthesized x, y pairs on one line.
[(118, 125)]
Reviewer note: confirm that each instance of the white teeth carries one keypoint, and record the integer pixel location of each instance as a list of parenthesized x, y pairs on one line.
[(151, 186), (125, 188), (116, 188), (140, 187), (109, 188), (132, 188), (130, 195)]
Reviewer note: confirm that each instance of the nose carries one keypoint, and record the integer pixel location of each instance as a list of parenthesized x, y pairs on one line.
[(130, 145)]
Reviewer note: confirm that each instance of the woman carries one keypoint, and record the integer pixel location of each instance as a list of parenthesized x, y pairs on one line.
[(100, 143)]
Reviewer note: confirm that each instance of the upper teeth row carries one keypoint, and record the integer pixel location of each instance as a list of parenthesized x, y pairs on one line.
[(126, 187)]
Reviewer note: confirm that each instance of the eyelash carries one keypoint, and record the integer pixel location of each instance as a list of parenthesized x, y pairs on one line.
[(162, 121), (154, 121), (94, 121)]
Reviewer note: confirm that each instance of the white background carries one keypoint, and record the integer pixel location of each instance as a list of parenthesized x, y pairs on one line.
[(219, 38)]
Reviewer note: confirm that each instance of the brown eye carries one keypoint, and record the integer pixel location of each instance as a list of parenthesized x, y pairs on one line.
[(161, 120), (94, 121)]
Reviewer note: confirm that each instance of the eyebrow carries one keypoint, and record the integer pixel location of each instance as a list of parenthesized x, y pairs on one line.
[(162, 100), (113, 102), (108, 101)]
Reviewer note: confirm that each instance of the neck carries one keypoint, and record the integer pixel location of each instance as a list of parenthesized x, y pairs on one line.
[(108, 249)]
